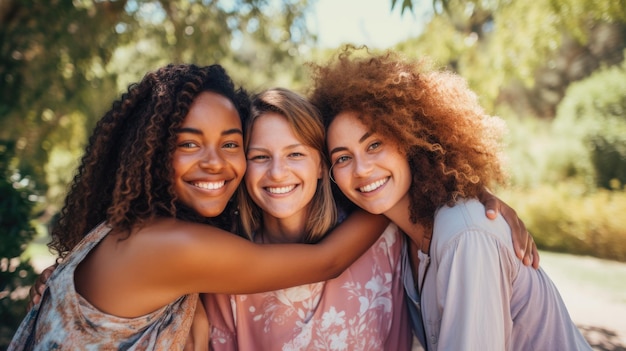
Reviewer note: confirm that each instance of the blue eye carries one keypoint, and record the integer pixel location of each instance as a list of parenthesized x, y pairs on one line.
[(342, 159)]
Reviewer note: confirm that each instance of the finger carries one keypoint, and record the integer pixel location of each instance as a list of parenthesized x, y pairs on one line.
[(492, 206), (528, 252), (45, 274), (520, 236), (535, 256), (526, 243), (41, 288)]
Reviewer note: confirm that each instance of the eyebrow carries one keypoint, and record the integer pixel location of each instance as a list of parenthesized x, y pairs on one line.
[(342, 148), (199, 132), (288, 147)]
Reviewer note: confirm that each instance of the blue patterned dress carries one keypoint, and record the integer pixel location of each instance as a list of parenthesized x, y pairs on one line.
[(64, 320)]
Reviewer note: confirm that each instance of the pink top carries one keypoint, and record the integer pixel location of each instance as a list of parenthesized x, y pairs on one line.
[(362, 309)]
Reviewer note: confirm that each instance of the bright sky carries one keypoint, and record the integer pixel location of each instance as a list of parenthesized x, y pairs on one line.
[(369, 22)]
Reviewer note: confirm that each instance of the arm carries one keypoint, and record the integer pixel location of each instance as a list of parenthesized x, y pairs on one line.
[(169, 258), (245, 267), (523, 242)]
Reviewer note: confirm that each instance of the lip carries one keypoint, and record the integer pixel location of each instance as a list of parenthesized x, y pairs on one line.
[(373, 186)]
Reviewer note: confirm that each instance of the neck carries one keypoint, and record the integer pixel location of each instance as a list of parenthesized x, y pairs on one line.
[(400, 215), (281, 230)]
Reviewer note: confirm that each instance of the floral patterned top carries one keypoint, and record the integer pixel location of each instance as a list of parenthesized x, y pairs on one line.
[(64, 320), (362, 309)]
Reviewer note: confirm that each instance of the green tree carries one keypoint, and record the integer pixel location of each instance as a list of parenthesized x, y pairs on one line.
[(16, 273), (62, 62), (523, 54)]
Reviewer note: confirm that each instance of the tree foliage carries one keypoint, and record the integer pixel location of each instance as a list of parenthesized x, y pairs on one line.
[(62, 62), (524, 54), (15, 234)]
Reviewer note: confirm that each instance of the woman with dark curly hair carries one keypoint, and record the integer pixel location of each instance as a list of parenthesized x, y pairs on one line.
[(413, 143), (144, 226)]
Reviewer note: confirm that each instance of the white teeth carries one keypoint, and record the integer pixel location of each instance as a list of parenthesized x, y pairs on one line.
[(371, 187), (281, 190), (209, 185)]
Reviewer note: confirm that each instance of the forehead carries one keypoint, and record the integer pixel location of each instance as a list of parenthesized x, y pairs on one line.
[(212, 110), (346, 126), (272, 126)]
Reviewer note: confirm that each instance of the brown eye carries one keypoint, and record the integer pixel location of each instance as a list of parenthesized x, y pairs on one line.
[(375, 145)]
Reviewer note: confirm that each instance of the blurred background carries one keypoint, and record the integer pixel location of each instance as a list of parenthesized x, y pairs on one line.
[(554, 70)]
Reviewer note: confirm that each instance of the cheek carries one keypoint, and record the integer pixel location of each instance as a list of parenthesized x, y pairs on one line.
[(407, 175), (178, 166), (342, 179), (251, 176), (239, 163)]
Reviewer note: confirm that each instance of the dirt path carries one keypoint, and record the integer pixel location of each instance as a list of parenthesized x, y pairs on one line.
[(595, 294)]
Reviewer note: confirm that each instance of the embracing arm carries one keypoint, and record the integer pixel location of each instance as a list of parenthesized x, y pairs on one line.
[(170, 258), (523, 242), (221, 262)]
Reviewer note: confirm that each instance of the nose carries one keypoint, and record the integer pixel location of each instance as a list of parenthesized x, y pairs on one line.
[(212, 160), (362, 166), (278, 169)]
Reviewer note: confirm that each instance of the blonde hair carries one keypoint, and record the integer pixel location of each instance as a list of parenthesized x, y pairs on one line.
[(306, 124)]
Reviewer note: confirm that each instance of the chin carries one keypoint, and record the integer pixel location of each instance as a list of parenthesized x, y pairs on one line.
[(211, 212)]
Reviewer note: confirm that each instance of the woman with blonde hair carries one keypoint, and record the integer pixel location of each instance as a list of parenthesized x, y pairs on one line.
[(286, 197)]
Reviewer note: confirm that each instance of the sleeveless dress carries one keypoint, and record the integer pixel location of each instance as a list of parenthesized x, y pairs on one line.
[(362, 309), (64, 320)]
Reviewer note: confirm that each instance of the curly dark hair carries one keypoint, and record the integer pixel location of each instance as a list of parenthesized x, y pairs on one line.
[(125, 176), (432, 116)]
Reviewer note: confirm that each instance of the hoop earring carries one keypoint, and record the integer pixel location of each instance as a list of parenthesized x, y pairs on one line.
[(330, 173)]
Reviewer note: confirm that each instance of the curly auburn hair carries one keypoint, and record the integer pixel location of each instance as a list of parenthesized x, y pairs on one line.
[(125, 176), (431, 115)]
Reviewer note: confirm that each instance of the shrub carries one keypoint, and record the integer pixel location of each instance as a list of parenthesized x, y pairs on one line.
[(567, 218), (593, 112)]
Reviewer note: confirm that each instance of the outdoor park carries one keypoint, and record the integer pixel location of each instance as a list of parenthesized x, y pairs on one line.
[(555, 71)]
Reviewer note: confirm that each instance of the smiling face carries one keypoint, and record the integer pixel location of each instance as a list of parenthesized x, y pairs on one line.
[(369, 170), (209, 160), (282, 172)]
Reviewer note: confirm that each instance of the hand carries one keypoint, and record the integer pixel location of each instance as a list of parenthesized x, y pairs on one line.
[(39, 287), (523, 243)]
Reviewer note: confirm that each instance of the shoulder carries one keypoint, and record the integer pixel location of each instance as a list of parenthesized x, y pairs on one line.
[(468, 217)]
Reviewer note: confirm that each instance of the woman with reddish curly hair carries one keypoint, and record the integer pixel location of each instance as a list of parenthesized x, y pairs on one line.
[(413, 143), (144, 225)]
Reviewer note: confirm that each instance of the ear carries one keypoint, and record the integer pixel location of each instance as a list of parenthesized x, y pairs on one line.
[(320, 171)]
